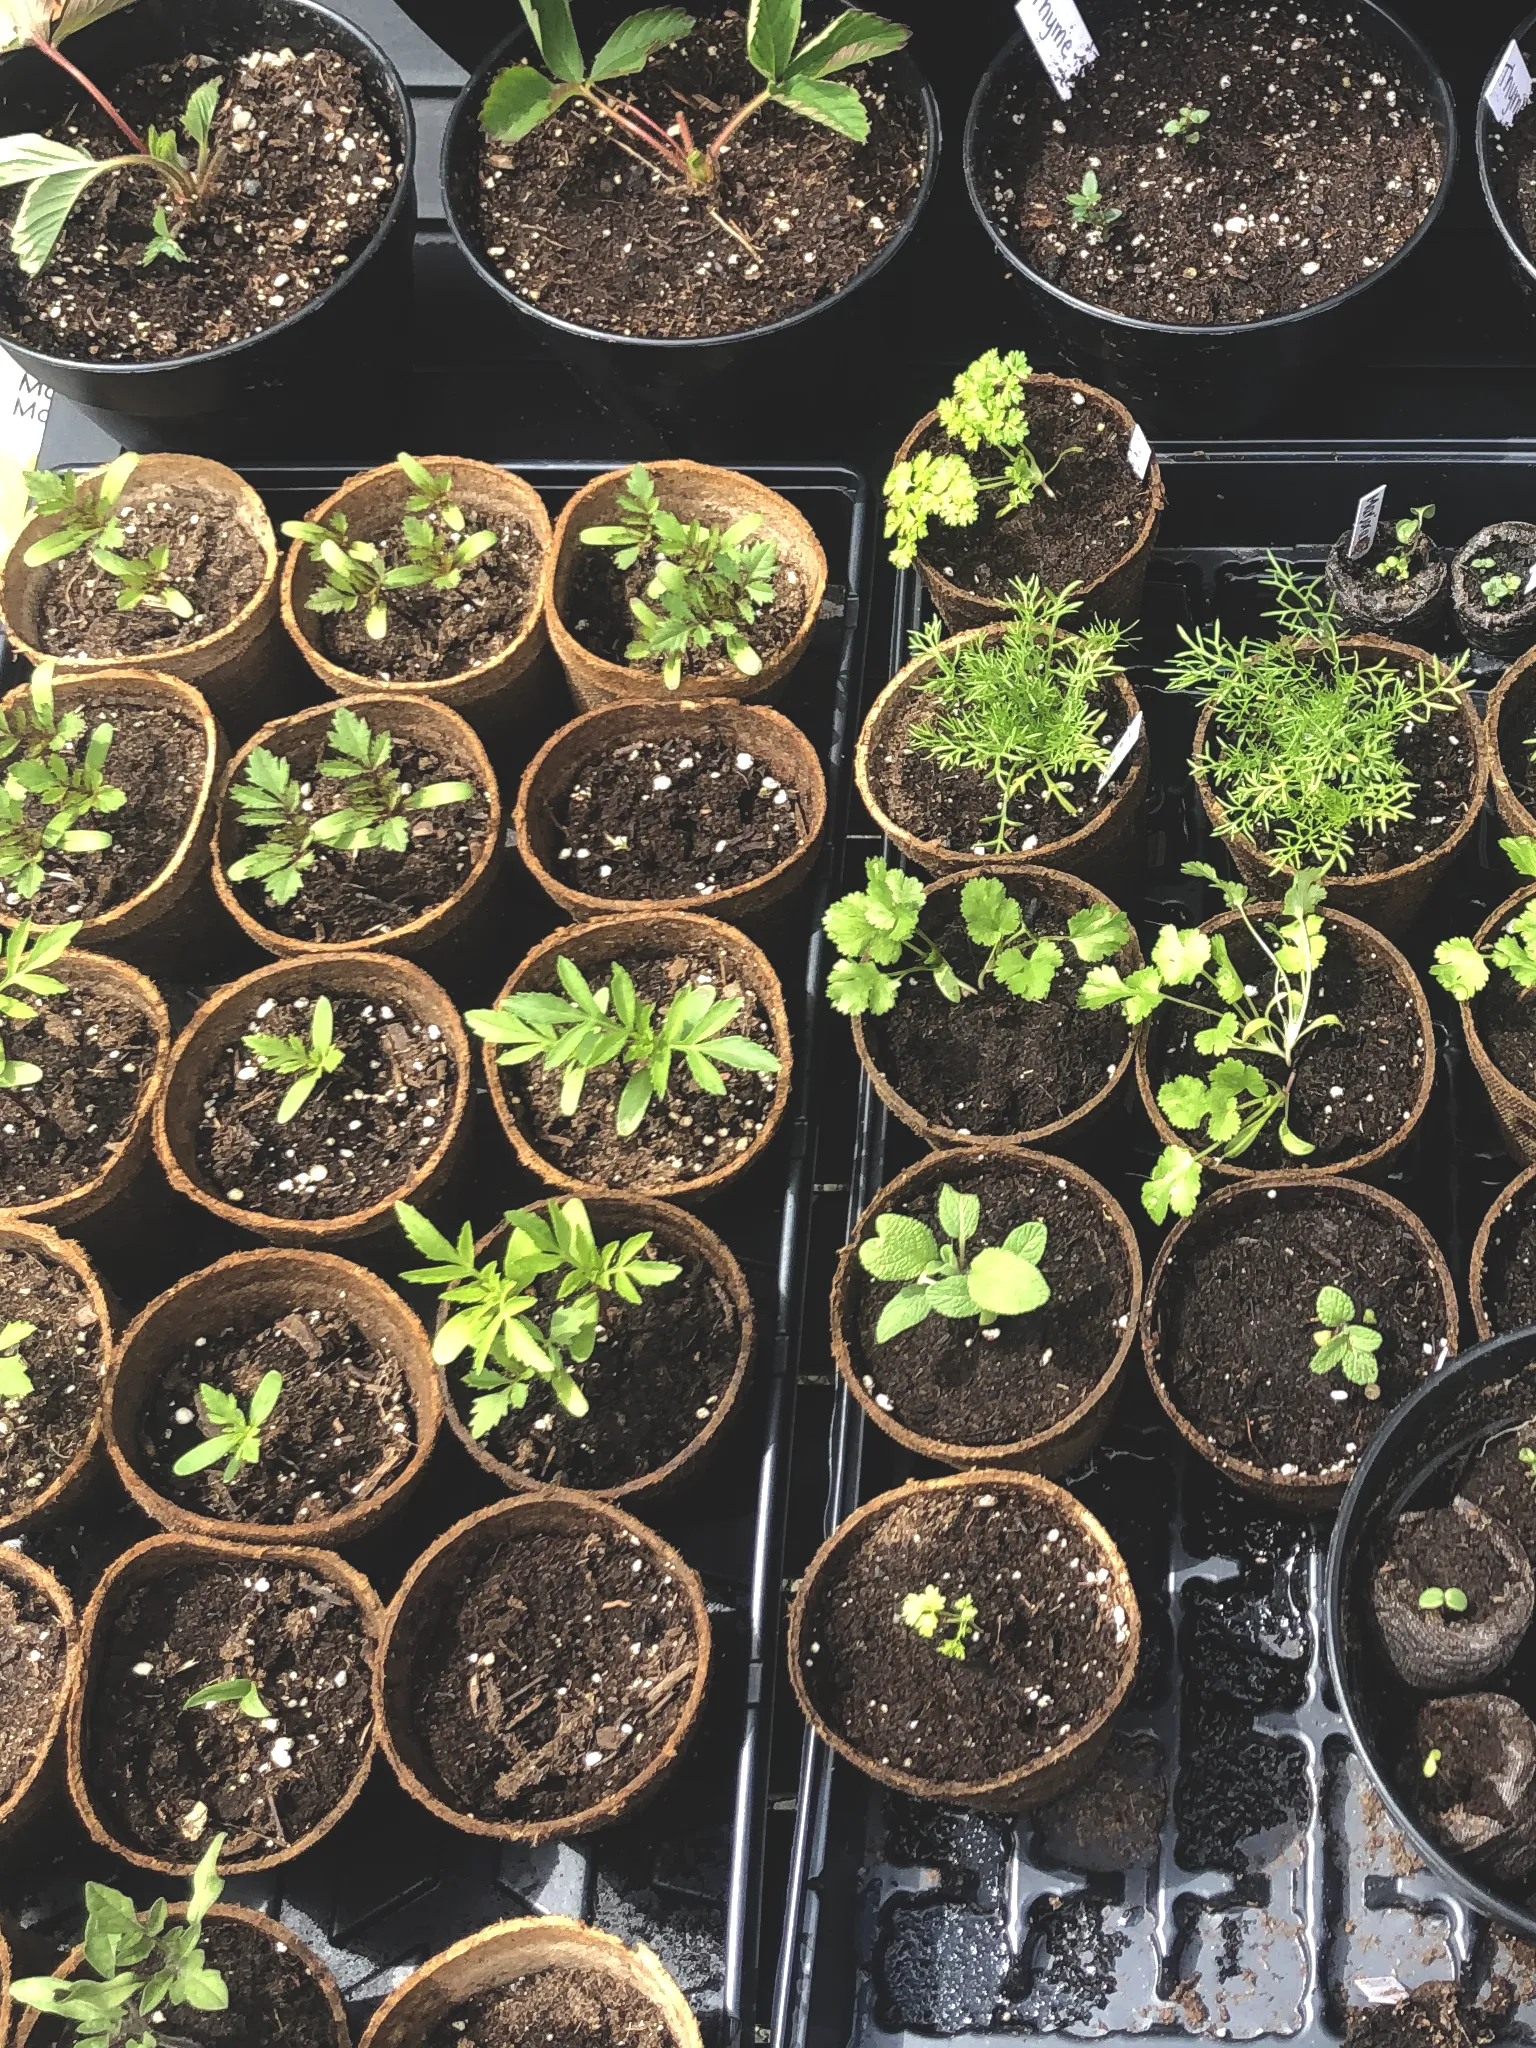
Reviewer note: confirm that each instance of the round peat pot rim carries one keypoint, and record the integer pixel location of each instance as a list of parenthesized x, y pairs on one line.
[(543, 1942), (1032, 1453), (455, 171), (891, 704), (1485, 1364), (1488, 1069), (260, 1279), (155, 1558), (1512, 685), (421, 716), (1483, 146), (395, 111), (17, 1234), (1502, 1202), (1059, 1767), (942, 1136), (640, 1212), (19, 1569), (1298, 1492), (331, 970), (1386, 26), (564, 1511)]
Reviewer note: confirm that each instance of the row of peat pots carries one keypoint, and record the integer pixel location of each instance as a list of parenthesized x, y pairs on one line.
[(1211, 207)]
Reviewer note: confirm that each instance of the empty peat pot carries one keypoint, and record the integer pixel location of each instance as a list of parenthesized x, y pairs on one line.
[(523, 1973), (967, 1639), (1452, 1597), (1490, 588), (53, 1433), (40, 1647)]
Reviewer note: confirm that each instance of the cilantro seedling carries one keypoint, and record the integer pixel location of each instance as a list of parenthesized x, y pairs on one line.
[(15, 1379), (1443, 1599), (145, 580), (239, 1692), (494, 1305), (235, 1435), (984, 410), (1432, 1763), (1237, 1101), (142, 1964), (1341, 1341), (1462, 967), (1187, 123), (707, 584), (84, 506), (1398, 566), (309, 1059), (944, 1279), (1090, 208), (22, 964), (927, 1612), (576, 1033)]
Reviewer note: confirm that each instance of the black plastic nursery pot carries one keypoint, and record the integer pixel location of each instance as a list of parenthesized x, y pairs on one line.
[(1241, 372), (322, 351), (1522, 264)]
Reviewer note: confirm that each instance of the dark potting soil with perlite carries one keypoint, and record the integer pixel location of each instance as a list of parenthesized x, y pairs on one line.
[(1496, 1480), (66, 1356), (34, 1654), (550, 2008), (343, 1426), (1001, 1381), (1048, 1651), (363, 1132), (1318, 160), (1477, 1800), (578, 227), (166, 1779), (96, 1049), (528, 1692), (309, 175), (597, 607)]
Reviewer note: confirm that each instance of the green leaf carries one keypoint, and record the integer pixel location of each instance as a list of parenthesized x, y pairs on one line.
[(1098, 932), (1174, 1183), (1219, 1037), (1003, 1284), (201, 108), (24, 158), (1179, 956), (633, 41), (773, 29), (1028, 1241), (1522, 854), (239, 1692), (555, 34), (903, 1248), (1030, 976), (639, 1091), (1334, 1307), (1185, 1101), (518, 100), (904, 1311), (853, 38), (1141, 992), (831, 105), (952, 1298), (959, 1214), (990, 913), (44, 209), (1460, 969), (857, 988), (265, 1398)]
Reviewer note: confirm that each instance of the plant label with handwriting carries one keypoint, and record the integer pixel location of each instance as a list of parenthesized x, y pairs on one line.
[(1061, 39)]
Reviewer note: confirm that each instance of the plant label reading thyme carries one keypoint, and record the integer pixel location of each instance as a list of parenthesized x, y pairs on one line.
[(1138, 454), (1367, 519), (1061, 39), (1118, 758), (1509, 90)]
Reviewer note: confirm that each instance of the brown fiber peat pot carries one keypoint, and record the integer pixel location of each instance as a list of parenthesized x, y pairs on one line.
[(1510, 723), (1007, 1568), (40, 1645), (1034, 1389), (1501, 1285), (526, 1977), (1230, 1321), (52, 1433), (684, 806), (409, 902), (690, 1143), (587, 597), (1489, 576), (945, 819), (663, 1387), (994, 1065), (154, 1779), (223, 561), (583, 1583), (1501, 1037), (1094, 524), (388, 1123), (355, 1418), (1357, 1089)]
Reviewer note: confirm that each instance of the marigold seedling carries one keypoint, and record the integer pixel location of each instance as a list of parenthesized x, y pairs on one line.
[(1398, 566), (944, 1279), (377, 807), (1447, 1599), (33, 726), (84, 506), (1090, 208), (928, 1612), (22, 964), (239, 1692), (270, 801), (1431, 1763), (15, 1379), (235, 1435), (1462, 967), (309, 1058), (145, 580), (1187, 123), (1341, 1341)]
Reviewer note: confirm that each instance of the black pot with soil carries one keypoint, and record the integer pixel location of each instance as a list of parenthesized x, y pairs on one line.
[(1395, 588), (1491, 588), (1506, 169)]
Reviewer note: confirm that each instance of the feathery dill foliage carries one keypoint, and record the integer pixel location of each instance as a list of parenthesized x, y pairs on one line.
[(1022, 709), (1303, 752)]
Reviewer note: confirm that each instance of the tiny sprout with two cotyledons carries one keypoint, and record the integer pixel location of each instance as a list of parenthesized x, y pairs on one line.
[(239, 1692), (1496, 590), (1397, 567), (1443, 1600)]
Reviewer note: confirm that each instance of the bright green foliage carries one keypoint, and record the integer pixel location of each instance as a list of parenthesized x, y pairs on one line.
[(927, 1612), (1443, 1600), (85, 507), (60, 783), (22, 965), (1528, 1460), (24, 841), (1024, 708), (1187, 123), (1461, 966), (269, 801), (1343, 1342), (944, 1279), (15, 1380), (355, 571), (239, 1692), (141, 1964), (308, 1059), (146, 580), (33, 726), (575, 1033), (1303, 749), (1398, 566), (494, 1305), (1090, 208), (162, 242), (377, 807), (236, 1435), (708, 583), (1499, 590)]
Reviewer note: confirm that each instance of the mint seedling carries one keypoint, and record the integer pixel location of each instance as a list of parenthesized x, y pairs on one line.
[(1443, 1599), (1343, 1342), (15, 1379), (1462, 967), (85, 507), (1398, 566), (21, 974), (1090, 208), (942, 1279), (1187, 123), (310, 1058), (239, 1692), (236, 1435), (927, 1612)]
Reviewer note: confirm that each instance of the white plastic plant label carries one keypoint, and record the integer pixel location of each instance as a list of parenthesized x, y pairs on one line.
[(1367, 519), (1061, 39), (1509, 90), (1530, 583), (1121, 754), (24, 404), (1138, 453)]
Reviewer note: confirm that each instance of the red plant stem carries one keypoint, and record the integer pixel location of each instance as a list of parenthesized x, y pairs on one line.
[(51, 50), (742, 113), (663, 147)]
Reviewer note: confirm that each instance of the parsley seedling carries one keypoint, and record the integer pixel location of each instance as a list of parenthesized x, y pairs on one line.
[(236, 1435), (1398, 566), (85, 507), (944, 1279), (15, 1379), (1462, 967), (309, 1059), (240, 1692), (22, 962), (1342, 1342), (927, 1612), (1443, 1599), (1090, 208), (1187, 123)]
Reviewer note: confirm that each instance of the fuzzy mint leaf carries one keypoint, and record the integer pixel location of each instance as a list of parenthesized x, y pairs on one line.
[(952, 1298), (959, 1214), (903, 1248), (1334, 1307), (904, 1311), (1028, 1241), (1003, 1284)]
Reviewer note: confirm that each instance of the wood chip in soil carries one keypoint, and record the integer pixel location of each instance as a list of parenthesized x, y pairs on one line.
[(96, 1049), (215, 562), (343, 1426), (581, 2008), (363, 1132), (1049, 1650), (556, 1668), (1236, 1314), (33, 1658), (684, 1135), (166, 1780), (1318, 162), (66, 1358), (309, 173), (578, 227), (999, 1381)]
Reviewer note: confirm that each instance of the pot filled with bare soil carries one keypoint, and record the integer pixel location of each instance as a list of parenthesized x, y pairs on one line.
[(1501, 1284), (55, 1343), (39, 1669), (1398, 583), (608, 1666), (1491, 590), (968, 1640)]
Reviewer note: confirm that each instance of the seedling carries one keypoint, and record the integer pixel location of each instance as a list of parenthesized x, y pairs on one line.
[(1237, 1101), (1398, 566), (240, 1692), (15, 1379), (797, 74), (33, 727), (236, 1435), (1462, 967), (1023, 709), (308, 1059), (877, 931), (356, 573), (494, 1304), (85, 507), (1090, 207), (1528, 1460), (707, 583), (575, 1034), (1447, 1599), (21, 974), (377, 806), (270, 802), (1000, 1280), (66, 785), (1187, 123), (146, 580), (25, 843), (1305, 733), (985, 409), (927, 1612), (1431, 1763), (1498, 590), (142, 1963), (1343, 1342)]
